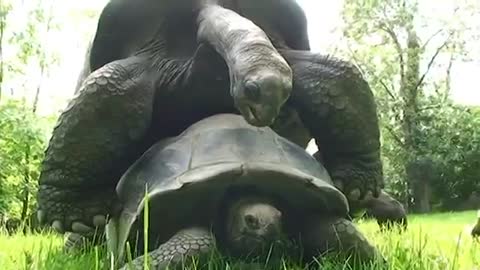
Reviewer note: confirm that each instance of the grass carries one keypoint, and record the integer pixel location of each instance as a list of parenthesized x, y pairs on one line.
[(432, 242)]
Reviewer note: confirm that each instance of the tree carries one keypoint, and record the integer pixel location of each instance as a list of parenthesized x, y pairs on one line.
[(5, 8), (383, 38), (23, 137), (28, 55), (32, 42)]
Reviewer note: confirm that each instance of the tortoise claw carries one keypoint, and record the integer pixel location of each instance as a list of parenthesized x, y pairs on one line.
[(58, 207), (99, 221), (79, 227), (355, 195), (41, 217), (368, 196), (57, 225)]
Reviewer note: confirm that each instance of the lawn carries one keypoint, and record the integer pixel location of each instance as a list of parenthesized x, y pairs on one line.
[(437, 241)]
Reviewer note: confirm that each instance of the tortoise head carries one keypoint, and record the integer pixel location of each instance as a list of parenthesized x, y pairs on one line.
[(252, 226), (260, 96)]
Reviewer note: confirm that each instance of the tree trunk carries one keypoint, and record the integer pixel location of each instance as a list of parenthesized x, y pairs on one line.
[(422, 173), (26, 179), (410, 90), (39, 88)]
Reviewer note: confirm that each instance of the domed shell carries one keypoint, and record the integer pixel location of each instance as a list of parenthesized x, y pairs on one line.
[(186, 176)]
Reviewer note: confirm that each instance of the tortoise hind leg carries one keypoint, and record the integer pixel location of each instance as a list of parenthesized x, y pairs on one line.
[(323, 235), (186, 243)]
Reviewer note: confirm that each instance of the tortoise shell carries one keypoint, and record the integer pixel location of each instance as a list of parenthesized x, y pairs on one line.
[(187, 177)]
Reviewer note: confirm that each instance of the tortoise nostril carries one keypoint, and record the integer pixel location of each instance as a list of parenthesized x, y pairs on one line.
[(252, 91)]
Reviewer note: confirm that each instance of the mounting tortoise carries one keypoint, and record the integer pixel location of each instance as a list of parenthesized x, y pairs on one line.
[(226, 184), (156, 67)]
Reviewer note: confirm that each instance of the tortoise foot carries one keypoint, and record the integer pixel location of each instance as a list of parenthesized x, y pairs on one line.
[(337, 235), (78, 242), (69, 210), (360, 182), (172, 254)]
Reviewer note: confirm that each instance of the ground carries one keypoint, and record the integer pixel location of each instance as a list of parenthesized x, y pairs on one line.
[(432, 242)]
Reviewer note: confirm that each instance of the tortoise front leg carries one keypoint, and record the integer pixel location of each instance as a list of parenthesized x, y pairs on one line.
[(76, 242), (322, 235), (338, 108), (260, 79), (186, 243), (95, 139)]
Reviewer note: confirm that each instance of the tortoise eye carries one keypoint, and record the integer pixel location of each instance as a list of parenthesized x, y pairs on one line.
[(252, 91)]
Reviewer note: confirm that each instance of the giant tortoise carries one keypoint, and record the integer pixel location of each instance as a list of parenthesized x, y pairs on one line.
[(225, 183), (156, 67)]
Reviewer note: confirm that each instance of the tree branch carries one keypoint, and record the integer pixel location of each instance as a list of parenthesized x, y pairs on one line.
[(430, 107), (389, 92), (398, 47), (438, 32), (448, 79), (432, 60), (430, 38), (395, 137)]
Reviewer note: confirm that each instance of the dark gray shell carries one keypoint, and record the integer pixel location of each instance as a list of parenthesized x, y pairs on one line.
[(186, 176)]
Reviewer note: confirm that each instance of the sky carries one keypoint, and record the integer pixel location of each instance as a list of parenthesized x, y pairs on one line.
[(323, 18)]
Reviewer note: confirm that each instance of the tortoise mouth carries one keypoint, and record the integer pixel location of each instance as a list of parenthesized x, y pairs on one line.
[(247, 243), (250, 238), (257, 115)]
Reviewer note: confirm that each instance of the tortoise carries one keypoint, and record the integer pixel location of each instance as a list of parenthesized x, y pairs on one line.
[(156, 67), (226, 184)]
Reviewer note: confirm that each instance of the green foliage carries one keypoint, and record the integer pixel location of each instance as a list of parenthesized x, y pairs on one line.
[(32, 40), (418, 119), (23, 137), (28, 56), (28, 53), (454, 144)]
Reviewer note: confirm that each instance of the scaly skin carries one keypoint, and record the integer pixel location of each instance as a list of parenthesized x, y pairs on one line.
[(102, 127), (321, 85), (105, 127), (337, 106), (387, 211), (324, 235), (187, 242)]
